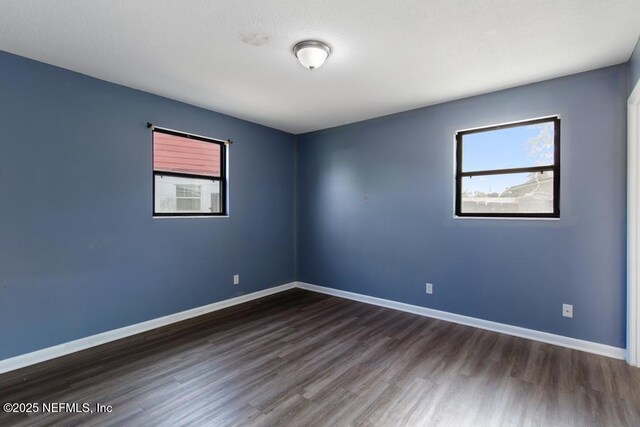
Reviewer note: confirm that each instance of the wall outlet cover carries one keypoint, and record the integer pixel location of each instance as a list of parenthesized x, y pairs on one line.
[(567, 310)]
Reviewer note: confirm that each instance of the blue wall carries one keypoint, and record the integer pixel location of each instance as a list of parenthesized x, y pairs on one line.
[(634, 67), (375, 212), (80, 253)]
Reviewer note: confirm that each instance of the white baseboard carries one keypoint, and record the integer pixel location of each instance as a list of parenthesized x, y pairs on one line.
[(573, 343), (48, 353), (45, 354)]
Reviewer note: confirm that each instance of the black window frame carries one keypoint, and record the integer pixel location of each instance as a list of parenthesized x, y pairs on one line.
[(222, 178), (555, 167)]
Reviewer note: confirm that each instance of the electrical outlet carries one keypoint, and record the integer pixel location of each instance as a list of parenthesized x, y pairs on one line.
[(236, 279), (429, 288), (567, 310)]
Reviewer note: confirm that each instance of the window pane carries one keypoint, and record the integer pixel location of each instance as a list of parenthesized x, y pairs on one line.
[(173, 153), (186, 195), (516, 147), (508, 193)]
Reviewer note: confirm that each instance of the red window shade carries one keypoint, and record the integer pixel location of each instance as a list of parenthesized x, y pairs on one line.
[(173, 153)]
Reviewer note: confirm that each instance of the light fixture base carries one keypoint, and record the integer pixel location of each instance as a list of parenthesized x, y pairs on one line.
[(311, 53)]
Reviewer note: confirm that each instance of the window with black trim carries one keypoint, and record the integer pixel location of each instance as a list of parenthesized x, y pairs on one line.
[(189, 176), (510, 170)]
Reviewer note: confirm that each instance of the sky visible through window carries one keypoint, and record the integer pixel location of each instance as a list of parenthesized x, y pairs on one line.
[(516, 147)]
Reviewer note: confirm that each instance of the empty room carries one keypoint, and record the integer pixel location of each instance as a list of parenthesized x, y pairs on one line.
[(320, 213)]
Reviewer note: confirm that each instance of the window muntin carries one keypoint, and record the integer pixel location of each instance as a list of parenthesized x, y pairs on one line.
[(509, 170), (189, 175)]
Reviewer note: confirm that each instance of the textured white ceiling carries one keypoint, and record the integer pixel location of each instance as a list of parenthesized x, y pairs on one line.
[(388, 55)]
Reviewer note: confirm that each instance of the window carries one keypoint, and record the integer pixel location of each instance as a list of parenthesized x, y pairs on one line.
[(510, 170), (189, 177)]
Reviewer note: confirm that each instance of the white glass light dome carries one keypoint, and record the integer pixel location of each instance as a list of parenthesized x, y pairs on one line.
[(311, 53)]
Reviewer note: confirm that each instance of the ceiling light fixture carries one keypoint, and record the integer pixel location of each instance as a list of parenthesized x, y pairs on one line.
[(311, 53)]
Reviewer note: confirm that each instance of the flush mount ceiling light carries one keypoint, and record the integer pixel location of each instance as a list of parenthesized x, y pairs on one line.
[(311, 53)]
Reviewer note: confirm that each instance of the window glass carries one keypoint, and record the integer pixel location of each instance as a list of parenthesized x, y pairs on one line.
[(173, 153), (515, 147), (510, 193), (509, 170), (186, 195)]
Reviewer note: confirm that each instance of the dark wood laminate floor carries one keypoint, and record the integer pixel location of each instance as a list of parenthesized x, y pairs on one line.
[(301, 358)]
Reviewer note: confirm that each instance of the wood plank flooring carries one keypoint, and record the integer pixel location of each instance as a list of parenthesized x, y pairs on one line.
[(303, 359)]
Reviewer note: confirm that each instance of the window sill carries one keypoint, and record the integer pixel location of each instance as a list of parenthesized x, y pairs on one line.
[(189, 216), (506, 218)]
